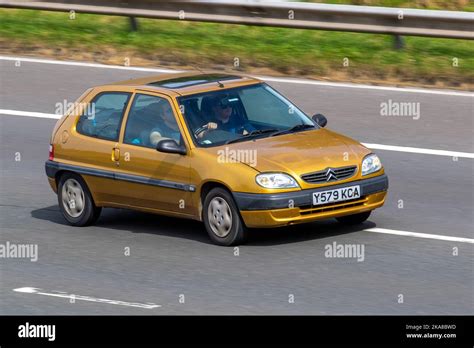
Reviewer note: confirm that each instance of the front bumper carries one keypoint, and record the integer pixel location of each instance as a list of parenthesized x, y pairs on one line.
[(280, 209)]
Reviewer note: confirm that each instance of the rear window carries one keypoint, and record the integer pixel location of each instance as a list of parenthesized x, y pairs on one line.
[(103, 117)]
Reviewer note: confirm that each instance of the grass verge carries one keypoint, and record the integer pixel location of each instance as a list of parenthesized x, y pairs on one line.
[(316, 54)]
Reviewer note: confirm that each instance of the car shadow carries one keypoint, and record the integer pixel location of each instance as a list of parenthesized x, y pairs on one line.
[(139, 222), (135, 222), (304, 232)]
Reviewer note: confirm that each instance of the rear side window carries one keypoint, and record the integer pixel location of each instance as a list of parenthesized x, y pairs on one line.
[(103, 116)]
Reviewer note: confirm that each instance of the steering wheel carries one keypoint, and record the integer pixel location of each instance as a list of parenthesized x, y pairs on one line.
[(200, 130)]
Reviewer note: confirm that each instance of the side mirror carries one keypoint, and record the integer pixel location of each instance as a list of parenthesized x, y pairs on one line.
[(320, 120), (170, 146)]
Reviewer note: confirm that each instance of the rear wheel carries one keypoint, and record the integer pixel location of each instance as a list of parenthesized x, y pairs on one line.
[(75, 201), (354, 219), (222, 219)]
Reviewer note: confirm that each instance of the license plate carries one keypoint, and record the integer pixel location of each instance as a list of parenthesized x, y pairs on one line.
[(336, 195)]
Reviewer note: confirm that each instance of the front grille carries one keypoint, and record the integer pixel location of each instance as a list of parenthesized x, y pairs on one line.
[(329, 174)]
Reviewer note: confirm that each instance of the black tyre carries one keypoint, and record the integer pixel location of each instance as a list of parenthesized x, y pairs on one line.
[(222, 219), (354, 219), (75, 201)]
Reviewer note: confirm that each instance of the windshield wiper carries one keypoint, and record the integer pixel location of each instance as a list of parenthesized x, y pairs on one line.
[(251, 134), (298, 127)]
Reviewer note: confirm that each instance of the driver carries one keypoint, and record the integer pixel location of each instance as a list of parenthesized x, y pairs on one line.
[(226, 119)]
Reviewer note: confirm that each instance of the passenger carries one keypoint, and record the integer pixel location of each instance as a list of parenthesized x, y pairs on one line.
[(165, 125), (168, 128)]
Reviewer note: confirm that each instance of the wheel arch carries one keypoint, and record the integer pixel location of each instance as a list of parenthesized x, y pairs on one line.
[(60, 173), (206, 188)]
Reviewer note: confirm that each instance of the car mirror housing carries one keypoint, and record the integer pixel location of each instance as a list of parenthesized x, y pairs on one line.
[(170, 146), (320, 120)]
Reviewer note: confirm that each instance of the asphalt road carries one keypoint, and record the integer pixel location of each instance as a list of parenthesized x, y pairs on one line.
[(169, 257)]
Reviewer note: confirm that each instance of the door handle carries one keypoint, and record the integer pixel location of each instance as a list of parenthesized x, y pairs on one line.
[(115, 155)]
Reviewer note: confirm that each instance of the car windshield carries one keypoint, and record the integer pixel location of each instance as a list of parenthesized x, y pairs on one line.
[(240, 114)]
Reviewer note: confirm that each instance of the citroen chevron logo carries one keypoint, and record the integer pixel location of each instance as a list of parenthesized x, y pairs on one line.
[(330, 175)]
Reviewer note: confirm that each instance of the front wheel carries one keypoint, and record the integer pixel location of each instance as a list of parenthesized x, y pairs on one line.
[(354, 219), (222, 219)]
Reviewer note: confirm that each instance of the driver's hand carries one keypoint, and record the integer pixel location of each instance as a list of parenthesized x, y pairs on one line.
[(208, 127), (211, 125)]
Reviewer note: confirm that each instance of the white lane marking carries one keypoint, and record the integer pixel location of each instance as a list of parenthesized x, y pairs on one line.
[(420, 235), (370, 146), (419, 150), (361, 86), (266, 78), (31, 290), (28, 114), (89, 65)]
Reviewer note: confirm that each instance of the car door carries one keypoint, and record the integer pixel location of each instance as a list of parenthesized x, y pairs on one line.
[(149, 179), (91, 150)]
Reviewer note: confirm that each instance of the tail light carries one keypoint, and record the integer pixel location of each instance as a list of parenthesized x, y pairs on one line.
[(51, 152)]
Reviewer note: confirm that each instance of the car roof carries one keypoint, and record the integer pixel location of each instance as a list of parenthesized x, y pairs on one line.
[(188, 82)]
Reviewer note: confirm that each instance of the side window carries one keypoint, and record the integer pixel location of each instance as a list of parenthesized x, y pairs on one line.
[(103, 116), (150, 120)]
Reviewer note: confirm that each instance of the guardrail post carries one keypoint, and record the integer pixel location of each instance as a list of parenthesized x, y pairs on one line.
[(398, 43), (133, 23)]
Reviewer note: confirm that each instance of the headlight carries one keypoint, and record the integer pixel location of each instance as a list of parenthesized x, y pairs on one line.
[(276, 180), (371, 164)]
